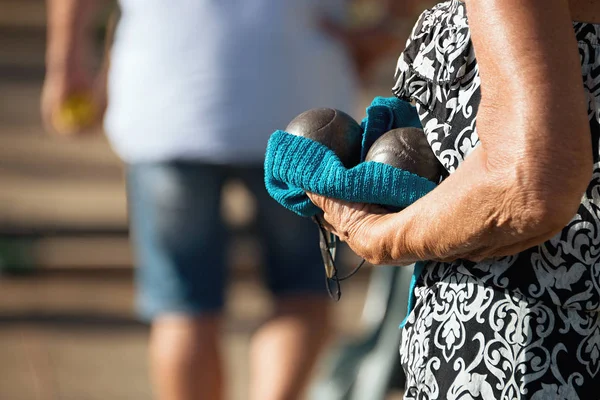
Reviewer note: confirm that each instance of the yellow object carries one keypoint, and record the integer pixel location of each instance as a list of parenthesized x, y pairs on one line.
[(75, 114)]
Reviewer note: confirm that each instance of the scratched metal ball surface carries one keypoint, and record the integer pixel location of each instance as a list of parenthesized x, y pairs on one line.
[(408, 149), (332, 128)]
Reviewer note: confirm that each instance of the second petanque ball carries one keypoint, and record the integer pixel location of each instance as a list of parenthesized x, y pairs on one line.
[(408, 149), (332, 128)]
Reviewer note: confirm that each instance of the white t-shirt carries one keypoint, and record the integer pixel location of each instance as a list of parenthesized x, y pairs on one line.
[(210, 80)]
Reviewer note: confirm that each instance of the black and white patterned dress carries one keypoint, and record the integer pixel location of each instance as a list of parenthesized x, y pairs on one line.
[(519, 327)]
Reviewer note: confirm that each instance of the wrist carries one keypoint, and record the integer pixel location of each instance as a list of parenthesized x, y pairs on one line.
[(374, 241), (400, 239), (69, 49), (70, 63)]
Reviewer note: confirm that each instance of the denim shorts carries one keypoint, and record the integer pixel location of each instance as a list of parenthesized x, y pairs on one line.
[(180, 241)]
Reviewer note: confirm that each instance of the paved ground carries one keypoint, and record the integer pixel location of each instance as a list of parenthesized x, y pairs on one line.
[(71, 336), (67, 332)]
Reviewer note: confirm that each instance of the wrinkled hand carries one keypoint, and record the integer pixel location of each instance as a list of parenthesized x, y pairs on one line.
[(350, 222)]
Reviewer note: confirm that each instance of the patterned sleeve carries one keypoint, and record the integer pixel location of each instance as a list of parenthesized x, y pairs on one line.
[(438, 71)]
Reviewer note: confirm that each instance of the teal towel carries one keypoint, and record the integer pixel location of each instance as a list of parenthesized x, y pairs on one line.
[(295, 165), (385, 114), (300, 165), (418, 269)]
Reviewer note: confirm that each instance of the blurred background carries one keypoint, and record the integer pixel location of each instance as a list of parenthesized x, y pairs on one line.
[(67, 327)]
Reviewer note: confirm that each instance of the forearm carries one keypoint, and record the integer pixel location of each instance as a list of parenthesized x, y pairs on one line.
[(474, 214), (68, 36)]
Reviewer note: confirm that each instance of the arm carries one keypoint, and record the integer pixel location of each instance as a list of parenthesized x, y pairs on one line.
[(68, 51), (525, 181)]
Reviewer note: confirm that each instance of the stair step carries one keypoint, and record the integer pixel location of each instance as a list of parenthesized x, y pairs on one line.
[(22, 14)]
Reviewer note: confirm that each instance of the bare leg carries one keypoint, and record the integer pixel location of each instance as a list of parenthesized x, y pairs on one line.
[(285, 349), (184, 358)]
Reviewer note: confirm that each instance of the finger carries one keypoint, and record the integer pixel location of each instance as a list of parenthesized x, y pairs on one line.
[(328, 227), (317, 199)]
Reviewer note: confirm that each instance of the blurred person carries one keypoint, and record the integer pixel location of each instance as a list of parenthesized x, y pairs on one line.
[(194, 89)]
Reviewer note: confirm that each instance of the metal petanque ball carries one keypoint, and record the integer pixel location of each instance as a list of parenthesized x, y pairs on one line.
[(332, 128)]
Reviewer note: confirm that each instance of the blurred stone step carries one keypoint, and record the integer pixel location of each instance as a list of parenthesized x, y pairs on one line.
[(22, 14), (26, 254)]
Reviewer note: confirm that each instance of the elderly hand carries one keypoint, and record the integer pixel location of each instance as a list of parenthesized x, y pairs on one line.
[(352, 222)]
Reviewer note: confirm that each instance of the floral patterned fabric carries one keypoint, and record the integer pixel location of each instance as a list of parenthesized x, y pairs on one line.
[(519, 327)]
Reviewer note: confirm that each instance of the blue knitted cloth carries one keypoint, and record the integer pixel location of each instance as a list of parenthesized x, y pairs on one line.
[(295, 165)]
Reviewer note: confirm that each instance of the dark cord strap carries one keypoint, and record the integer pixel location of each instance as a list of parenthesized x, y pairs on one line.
[(328, 246)]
